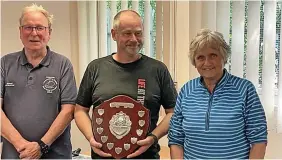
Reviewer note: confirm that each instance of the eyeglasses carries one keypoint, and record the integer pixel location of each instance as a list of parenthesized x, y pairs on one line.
[(38, 29)]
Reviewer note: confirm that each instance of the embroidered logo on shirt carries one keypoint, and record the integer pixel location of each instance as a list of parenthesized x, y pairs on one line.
[(8, 84), (50, 84)]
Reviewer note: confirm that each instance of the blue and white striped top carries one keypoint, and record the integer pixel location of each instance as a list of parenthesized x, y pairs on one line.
[(221, 125)]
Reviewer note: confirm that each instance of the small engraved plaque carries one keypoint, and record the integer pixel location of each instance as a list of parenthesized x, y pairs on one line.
[(118, 150), (133, 140), (141, 123), (100, 130), (110, 145), (126, 146), (141, 113), (139, 132), (99, 121), (104, 139), (100, 112)]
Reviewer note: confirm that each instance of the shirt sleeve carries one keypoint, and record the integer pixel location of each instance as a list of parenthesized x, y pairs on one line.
[(84, 97), (2, 78), (175, 134), (168, 92), (256, 126), (67, 84)]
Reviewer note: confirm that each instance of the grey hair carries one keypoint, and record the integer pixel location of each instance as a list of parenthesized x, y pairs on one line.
[(207, 38), (116, 21), (35, 8)]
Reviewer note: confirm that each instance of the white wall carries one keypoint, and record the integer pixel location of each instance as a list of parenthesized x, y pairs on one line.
[(60, 37)]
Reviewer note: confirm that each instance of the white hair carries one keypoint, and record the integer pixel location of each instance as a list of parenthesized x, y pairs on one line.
[(35, 8)]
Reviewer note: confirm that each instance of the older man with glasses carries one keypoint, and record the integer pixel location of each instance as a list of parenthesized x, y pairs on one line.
[(38, 93)]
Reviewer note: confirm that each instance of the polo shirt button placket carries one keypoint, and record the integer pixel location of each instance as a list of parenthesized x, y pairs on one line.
[(30, 79)]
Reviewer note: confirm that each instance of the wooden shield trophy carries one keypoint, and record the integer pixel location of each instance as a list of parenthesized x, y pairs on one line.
[(119, 123)]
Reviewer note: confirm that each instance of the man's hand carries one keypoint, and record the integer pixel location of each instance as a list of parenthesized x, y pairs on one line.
[(30, 150), (19, 145), (96, 148), (144, 145)]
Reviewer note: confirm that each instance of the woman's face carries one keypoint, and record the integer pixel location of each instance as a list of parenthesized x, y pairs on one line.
[(209, 63)]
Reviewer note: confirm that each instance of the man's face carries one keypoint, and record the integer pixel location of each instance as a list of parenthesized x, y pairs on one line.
[(34, 31), (129, 34)]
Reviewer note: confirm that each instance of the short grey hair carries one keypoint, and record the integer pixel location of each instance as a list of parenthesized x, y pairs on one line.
[(35, 8), (116, 21), (207, 38)]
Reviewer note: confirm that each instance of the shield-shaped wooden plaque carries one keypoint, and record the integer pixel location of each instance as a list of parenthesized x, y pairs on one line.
[(119, 123)]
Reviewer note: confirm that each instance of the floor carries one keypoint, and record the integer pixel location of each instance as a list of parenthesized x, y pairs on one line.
[(165, 153)]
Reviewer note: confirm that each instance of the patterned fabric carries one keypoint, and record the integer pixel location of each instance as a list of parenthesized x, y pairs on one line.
[(218, 125)]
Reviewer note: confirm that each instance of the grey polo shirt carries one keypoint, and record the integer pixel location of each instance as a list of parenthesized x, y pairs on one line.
[(33, 97)]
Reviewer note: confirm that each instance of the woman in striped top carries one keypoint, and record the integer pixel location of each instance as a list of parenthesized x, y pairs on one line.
[(217, 115)]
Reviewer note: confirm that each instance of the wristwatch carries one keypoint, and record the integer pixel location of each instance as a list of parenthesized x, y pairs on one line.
[(154, 137), (43, 147)]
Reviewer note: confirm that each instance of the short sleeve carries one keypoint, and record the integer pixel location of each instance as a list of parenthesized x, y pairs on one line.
[(2, 77), (67, 84), (84, 97), (168, 92)]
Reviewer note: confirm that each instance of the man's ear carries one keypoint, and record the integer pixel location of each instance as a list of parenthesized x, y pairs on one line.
[(113, 32), (20, 32), (50, 31)]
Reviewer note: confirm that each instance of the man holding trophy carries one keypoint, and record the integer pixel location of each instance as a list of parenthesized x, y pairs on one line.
[(126, 90)]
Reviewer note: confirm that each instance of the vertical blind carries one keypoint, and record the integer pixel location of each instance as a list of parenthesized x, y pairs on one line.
[(254, 34)]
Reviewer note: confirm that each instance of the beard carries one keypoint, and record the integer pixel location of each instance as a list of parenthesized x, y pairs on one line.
[(133, 50)]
